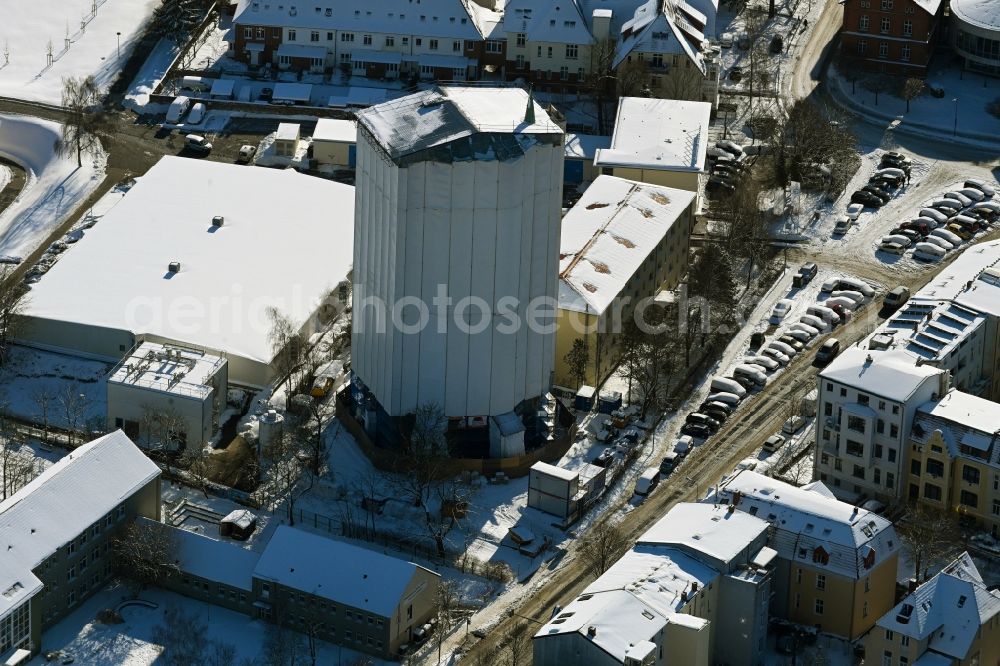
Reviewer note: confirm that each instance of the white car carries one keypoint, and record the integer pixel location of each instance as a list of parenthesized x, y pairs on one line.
[(854, 210), (780, 309), (765, 362), (805, 328), (959, 197), (776, 355), (981, 186), (197, 114), (892, 247), (972, 193)]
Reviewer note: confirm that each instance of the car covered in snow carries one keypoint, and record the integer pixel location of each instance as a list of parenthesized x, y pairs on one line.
[(247, 151), (854, 210), (811, 331), (934, 214), (960, 198), (899, 239), (779, 356), (842, 226), (891, 247), (982, 186), (196, 114), (780, 310), (972, 193)]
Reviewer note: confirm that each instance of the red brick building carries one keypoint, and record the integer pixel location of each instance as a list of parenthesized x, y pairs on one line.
[(891, 36)]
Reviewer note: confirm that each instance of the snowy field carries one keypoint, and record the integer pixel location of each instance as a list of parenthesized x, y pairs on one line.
[(5, 176), (131, 643), (81, 43), (55, 186)]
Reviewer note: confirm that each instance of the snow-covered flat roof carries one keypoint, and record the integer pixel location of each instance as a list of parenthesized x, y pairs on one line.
[(968, 280), (980, 13), (211, 559), (965, 409), (706, 528), (585, 146), (607, 236), (805, 520), (892, 374), (553, 471), (63, 501), (286, 241), (446, 114), (169, 369), (287, 132), (661, 134), (335, 130), (335, 570)]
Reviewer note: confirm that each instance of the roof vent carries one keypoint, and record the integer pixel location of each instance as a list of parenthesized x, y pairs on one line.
[(218, 221), (174, 267), (591, 631)]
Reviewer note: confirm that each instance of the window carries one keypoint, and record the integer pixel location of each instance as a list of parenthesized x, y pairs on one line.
[(970, 475), (863, 399), (549, 52), (878, 451), (432, 44), (932, 492), (539, 51), (859, 472), (291, 35), (889, 635), (496, 46), (935, 467), (366, 40), (886, 4), (887, 656), (456, 46), (390, 40), (520, 61), (877, 475), (883, 52), (907, 28), (868, 584), (864, 23), (260, 33), (855, 448), (890, 480), (904, 641), (347, 36), (827, 409), (843, 392), (329, 36), (265, 590), (818, 607), (572, 51), (996, 507), (969, 499), (892, 455), (314, 36), (564, 73), (520, 39), (856, 423), (820, 582), (247, 34)]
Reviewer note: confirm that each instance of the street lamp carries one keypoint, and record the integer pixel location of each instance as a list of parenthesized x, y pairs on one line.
[(955, 100), (119, 33)]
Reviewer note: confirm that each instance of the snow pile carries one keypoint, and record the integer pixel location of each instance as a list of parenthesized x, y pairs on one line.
[(81, 43), (55, 184)]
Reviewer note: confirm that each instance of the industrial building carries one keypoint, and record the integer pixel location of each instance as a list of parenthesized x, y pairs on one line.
[(195, 255), (456, 237), (334, 142), (693, 591), (167, 397), (564, 493), (622, 242)]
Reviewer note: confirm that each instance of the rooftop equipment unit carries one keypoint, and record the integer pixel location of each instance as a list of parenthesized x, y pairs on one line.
[(174, 267), (218, 221)]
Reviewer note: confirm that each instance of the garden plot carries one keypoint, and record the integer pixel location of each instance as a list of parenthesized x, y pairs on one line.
[(47, 40)]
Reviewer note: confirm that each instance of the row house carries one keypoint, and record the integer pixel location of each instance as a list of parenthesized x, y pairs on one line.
[(436, 39), (890, 36)]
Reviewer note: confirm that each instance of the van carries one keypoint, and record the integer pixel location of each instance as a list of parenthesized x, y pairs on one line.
[(947, 235), (824, 313), (178, 108), (897, 297), (647, 481), (669, 463), (792, 425), (683, 446), (753, 373), (725, 397), (827, 352), (808, 271), (928, 252), (722, 384)]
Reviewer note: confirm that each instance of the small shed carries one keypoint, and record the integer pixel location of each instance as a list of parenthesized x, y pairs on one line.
[(286, 141), (239, 524), (334, 142), (506, 436), (585, 398), (553, 490), (609, 401), (222, 89)]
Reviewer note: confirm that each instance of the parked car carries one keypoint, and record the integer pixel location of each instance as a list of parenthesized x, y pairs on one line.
[(934, 214), (854, 210), (780, 309), (731, 147), (866, 199), (196, 114), (792, 425), (719, 186), (910, 234), (827, 352), (773, 443), (717, 406), (702, 419), (928, 252), (921, 228), (696, 430), (959, 231), (765, 362), (647, 481), (791, 342), (960, 198), (895, 159), (881, 194), (724, 397), (891, 247), (811, 331), (247, 151), (896, 298), (897, 238), (779, 357), (946, 205), (669, 463), (972, 193), (980, 185), (808, 272), (197, 143), (940, 242), (842, 226)]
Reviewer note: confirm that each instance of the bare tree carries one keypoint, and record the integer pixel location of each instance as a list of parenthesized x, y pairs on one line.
[(16, 469), (912, 88), (632, 78), (850, 65), (163, 429), (578, 360), (287, 480), (930, 536), (447, 605), (185, 641), (647, 359), (73, 405), (85, 119), (145, 552), (515, 645), (13, 301), (452, 500), (196, 459), (600, 80), (288, 349), (877, 83), (427, 434), (45, 402), (602, 547), (683, 82)]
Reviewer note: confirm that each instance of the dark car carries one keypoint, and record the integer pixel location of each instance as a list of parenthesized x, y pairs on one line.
[(827, 352), (716, 405), (742, 381), (912, 234), (266, 94), (718, 186), (696, 430), (777, 44), (921, 228), (881, 194), (727, 171), (894, 158), (866, 199), (703, 419), (791, 342), (808, 272), (716, 414)]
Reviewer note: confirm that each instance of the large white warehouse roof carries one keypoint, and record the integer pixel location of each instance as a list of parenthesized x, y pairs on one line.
[(286, 241)]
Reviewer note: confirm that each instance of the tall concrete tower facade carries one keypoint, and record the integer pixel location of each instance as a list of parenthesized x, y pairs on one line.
[(456, 243)]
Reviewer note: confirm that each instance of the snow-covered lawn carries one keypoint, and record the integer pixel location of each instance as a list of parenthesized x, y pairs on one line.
[(67, 387), (82, 43), (55, 186), (131, 643), (150, 74)]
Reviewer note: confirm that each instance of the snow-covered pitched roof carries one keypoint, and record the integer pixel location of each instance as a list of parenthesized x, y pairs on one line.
[(980, 13), (706, 528), (286, 242), (634, 599), (335, 570), (552, 21), (932, 6), (932, 329), (448, 116), (948, 610), (892, 374), (663, 134), (664, 27), (854, 539), (964, 420), (431, 18), (968, 410), (63, 501), (211, 559), (608, 234)]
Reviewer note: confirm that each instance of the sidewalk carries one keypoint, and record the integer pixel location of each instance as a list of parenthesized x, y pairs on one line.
[(929, 117)]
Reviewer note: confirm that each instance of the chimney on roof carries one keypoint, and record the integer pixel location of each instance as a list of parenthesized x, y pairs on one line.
[(591, 631), (529, 113), (174, 267), (868, 359)]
